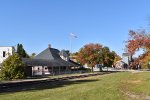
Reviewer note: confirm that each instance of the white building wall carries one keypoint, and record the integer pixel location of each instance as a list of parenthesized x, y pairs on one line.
[(64, 58), (5, 52), (37, 70), (40, 70), (125, 59)]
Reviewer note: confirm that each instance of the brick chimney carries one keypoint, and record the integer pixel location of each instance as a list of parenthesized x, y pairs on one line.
[(49, 45)]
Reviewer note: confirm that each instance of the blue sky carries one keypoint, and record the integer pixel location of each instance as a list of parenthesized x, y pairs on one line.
[(37, 23)]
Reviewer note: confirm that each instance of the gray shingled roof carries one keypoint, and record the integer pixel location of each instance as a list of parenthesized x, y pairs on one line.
[(77, 64), (48, 57), (48, 54)]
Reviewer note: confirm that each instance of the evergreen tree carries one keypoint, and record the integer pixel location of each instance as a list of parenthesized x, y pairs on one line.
[(21, 51)]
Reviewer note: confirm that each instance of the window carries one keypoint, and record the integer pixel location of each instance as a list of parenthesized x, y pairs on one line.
[(38, 68), (4, 53), (45, 68)]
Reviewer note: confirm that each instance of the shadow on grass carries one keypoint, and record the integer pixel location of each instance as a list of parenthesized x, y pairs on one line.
[(43, 85)]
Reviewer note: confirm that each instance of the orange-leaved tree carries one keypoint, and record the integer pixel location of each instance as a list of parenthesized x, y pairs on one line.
[(90, 54), (137, 40)]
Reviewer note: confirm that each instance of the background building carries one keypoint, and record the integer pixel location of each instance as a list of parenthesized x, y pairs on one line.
[(5, 52), (126, 57), (64, 54)]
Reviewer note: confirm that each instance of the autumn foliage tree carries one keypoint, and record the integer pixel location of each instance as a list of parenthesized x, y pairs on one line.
[(92, 54), (137, 40), (117, 58), (107, 56), (144, 59)]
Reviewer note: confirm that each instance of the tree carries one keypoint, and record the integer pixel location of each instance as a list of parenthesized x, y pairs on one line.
[(112, 56), (137, 40), (117, 58), (21, 51), (12, 68), (33, 55), (108, 57), (144, 59), (90, 54)]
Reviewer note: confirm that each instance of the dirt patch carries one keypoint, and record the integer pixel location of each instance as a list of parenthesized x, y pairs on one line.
[(135, 96), (131, 95), (135, 82)]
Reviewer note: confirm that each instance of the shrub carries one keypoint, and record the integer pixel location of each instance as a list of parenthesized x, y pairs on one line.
[(12, 68)]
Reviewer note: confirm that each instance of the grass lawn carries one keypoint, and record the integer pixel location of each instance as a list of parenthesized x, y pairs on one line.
[(115, 86)]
